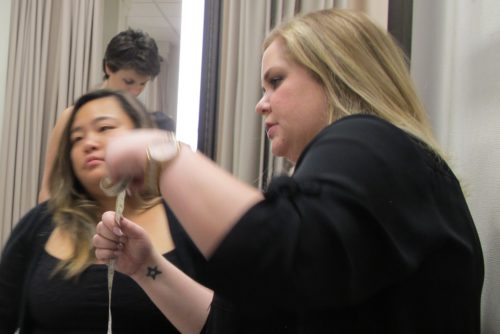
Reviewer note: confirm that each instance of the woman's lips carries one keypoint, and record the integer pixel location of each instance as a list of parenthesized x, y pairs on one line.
[(271, 130), (93, 161)]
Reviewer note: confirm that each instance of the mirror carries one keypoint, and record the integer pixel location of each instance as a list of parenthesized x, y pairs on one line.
[(23, 185), (161, 19), (180, 45)]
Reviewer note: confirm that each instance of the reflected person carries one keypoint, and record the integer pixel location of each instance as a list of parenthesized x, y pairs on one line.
[(130, 61), (50, 279)]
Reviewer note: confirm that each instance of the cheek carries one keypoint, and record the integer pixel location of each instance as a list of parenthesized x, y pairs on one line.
[(74, 161), (116, 83), (119, 85), (72, 157), (135, 90)]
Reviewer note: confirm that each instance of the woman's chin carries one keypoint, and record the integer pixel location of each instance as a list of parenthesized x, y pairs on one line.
[(277, 150)]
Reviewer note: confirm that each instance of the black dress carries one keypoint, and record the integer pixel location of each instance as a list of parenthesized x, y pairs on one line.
[(372, 234), (36, 302)]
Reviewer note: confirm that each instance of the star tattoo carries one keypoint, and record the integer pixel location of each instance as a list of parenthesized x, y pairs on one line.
[(153, 272)]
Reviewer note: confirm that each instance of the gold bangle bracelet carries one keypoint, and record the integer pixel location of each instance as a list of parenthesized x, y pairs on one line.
[(159, 155)]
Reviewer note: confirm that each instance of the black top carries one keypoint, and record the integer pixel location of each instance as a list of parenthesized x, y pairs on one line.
[(56, 304), (38, 303), (371, 234)]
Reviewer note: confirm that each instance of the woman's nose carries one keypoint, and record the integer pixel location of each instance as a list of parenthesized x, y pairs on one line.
[(262, 106), (136, 90), (90, 144)]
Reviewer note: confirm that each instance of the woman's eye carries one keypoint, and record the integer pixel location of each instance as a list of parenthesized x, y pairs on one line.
[(75, 140), (128, 82), (275, 81), (106, 128)]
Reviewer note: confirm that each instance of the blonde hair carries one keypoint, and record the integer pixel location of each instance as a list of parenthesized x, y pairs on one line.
[(74, 211), (360, 66)]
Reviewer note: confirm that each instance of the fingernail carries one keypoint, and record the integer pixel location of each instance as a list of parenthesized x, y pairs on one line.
[(117, 231)]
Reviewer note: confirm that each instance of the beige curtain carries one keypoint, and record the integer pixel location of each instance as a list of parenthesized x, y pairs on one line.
[(239, 134), (242, 147), (55, 51), (454, 63)]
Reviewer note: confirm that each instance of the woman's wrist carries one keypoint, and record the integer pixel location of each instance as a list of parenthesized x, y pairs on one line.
[(160, 153), (149, 269), (163, 149)]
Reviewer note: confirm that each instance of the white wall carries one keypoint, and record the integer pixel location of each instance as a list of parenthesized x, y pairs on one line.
[(455, 63), (4, 52)]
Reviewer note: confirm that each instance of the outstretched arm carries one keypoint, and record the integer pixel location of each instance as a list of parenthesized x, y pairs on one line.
[(50, 155), (182, 300), (207, 200)]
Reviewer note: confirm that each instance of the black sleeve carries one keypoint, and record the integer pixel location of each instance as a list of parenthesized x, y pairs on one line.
[(346, 225), (222, 317), (14, 263)]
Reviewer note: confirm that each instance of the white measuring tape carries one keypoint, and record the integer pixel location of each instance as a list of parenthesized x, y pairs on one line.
[(120, 190)]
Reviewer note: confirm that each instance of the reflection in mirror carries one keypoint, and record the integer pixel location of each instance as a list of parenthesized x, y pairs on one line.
[(51, 67), (180, 45), (188, 104)]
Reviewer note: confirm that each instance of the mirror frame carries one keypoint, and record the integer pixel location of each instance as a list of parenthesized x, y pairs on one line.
[(209, 90), (399, 25)]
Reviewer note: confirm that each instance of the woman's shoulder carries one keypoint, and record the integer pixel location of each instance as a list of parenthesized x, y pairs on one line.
[(363, 126), (361, 134), (36, 223), (40, 214)]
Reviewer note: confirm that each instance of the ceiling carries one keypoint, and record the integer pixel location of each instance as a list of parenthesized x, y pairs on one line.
[(161, 19)]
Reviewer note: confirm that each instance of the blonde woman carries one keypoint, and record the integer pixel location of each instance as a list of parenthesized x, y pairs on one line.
[(50, 280), (371, 233)]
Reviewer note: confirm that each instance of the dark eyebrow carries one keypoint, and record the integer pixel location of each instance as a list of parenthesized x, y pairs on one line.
[(266, 75), (96, 120), (73, 130), (272, 69)]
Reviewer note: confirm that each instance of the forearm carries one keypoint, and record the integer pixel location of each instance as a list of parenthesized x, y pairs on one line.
[(182, 300), (207, 200), (44, 193), (50, 155)]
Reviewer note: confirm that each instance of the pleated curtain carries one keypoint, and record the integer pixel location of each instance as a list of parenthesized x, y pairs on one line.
[(55, 54), (242, 146)]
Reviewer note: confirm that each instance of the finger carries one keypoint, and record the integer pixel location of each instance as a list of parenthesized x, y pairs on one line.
[(103, 231), (108, 220), (106, 254), (100, 242), (137, 183), (126, 153), (132, 230), (121, 156)]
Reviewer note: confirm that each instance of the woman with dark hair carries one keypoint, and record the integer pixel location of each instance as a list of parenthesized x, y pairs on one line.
[(131, 60), (50, 279)]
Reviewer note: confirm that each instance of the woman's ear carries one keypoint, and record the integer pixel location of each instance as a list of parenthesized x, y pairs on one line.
[(107, 70)]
